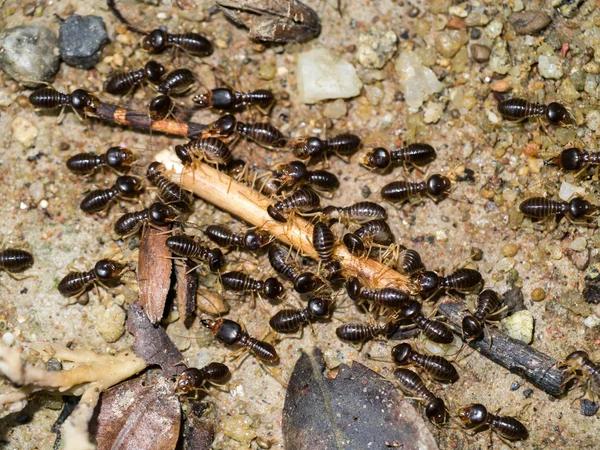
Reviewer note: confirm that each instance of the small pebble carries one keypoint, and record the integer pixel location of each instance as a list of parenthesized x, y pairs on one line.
[(24, 131), (519, 326), (504, 265), (414, 11), (336, 109), (538, 294), (500, 60), (592, 120), (237, 427), (480, 53), (450, 42), (514, 386), (494, 28), (591, 293), (29, 54), (365, 191), (111, 323), (588, 408), (267, 72), (550, 67), (8, 339), (529, 22), (509, 249), (527, 393), (579, 244), (53, 365), (376, 47), (417, 82), (433, 112), (81, 39), (568, 191)]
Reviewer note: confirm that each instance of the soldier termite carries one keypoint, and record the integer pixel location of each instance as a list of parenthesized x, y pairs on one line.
[(541, 208), (343, 145), (157, 214), (225, 237), (303, 200), (434, 330), (122, 83), (238, 281), (117, 158), (519, 109), (413, 385), (437, 367), (475, 416), (416, 154), (360, 212), (211, 150), (169, 192), (291, 320), (193, 379), (226, 99), (372, 232), (49, 98), (304, 282), (75, 283), (386, 297), (232, 333), (156, 41), (187, 247), (99, 199), (486, 306), (436, 186)]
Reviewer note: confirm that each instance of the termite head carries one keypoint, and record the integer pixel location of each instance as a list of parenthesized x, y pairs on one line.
[(155, 41), (473, 415), (427, 280), (154, 71), (127, 185), (471, 328), (117, 157), (106, 269), (82, 99), (273, 288), (570, 159), (579, 207), (557, 113), (436, 411), (402, 353), (320, 306), (305, 283), (377, 158), (215, 260), (438, 185), (353, 288)]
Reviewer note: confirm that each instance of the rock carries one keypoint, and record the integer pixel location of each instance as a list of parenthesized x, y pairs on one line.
[(417, 82), (321, 75), (500, 58), (480, 53), (550, 67), (529, 22), (29, 54), (111, 322), (580, 259), (433, 112), (237, 427), (568, 191), (591, 293), (588, 408), (449, 43), (592, 120), (24, 131), (567, 8), (336, 109), (376, 47), (519, 326), (494, 29), (81, 39), (514, 300)]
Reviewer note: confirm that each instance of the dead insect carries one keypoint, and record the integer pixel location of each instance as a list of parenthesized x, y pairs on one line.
[(416, 154), (169, 192), (373, 232), (436, 186), (303, 200), (187, 247), (99, 199), (387, 297), (225, 237), (74, 283), (291, 320), (122, 83), (117, 158), (232, 333), (476, 415), (15, 260), (211, 150), (541, 208), (575, 159), (157, 214), (343, 145), (518, 109), (176, 82), (413, 385), (49, 98), (434, 330), (193, 379), (304, 282), (360, 212), (579, 365), (238, 281), (226, 99), (486, 306), (437, 367)]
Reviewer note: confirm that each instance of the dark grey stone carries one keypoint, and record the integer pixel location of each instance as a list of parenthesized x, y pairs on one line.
[(81, 39), (588, 408), (29, 54)]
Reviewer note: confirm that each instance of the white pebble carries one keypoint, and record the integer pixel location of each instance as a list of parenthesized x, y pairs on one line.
[(417, 82), (519, 326), (578, 244), (24, 131), (433, 112), (161, 16), (592, 120), (36, 190), (22, 206), (44, 204), (494, 29), (550, 67), (321, 75), (591, 321), (8, 339), (567, 191), (375, 47), (441, 236), (459, 10), (505, 264)]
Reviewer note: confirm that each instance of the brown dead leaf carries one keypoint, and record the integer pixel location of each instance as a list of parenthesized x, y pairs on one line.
[(140, 414), (154, 272)]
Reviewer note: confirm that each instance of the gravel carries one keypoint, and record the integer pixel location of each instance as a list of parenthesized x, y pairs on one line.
[(81, 39)]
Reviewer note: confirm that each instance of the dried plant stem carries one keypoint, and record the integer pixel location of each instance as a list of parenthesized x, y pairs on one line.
[(249, 205)]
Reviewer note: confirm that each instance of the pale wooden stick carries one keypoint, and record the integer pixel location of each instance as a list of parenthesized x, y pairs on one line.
[(249, 205)]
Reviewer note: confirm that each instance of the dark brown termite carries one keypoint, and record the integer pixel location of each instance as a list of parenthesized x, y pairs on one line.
[(225, 237), (296, 172), (541, 208), (575, 159), (194, 379), (100, 199), (15, 260), (373, 232), (519, 109), (157, 214), (187, 247), (416, 154), (461, 280), (74, 283), (232, 333), (387, 297), (486, 306), (211, 150), (303, 200), (123, 83), (409, 262), (156, 41), (238, 281), (413, 385), (434, 330), (169, 192), (358, 333), (49, 98), (343, 145), (324, 243), (176, 82), (226, 99), (291, 320), (262, 133), (117, 158), (360, 212), (436, 187), (160, 107), (304, 282), (475, 416), (437, 367)]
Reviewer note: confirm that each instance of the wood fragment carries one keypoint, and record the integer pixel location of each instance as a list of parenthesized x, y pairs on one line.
[(154, 271), (187, 285)]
